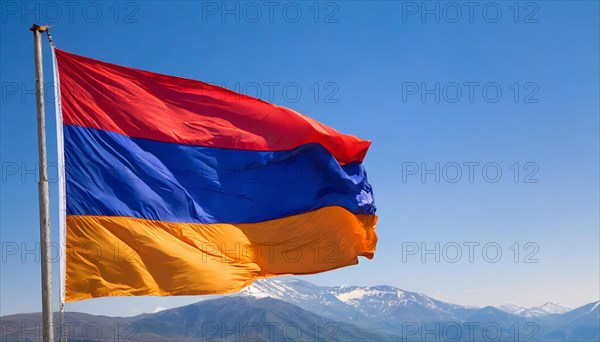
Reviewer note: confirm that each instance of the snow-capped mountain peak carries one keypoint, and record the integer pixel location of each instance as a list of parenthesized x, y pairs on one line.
[(280, 289), (555, 308), (535, 311), (510, 307)]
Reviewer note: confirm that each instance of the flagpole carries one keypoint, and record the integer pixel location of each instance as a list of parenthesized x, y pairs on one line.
[(43, 194)]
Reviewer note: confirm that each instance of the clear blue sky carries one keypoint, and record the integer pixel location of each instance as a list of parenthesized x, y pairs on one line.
[(377, 66)]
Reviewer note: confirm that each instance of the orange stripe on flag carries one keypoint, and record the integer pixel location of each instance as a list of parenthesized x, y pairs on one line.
[(124, 256)]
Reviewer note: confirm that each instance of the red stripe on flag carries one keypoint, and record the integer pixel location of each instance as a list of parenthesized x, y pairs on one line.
[(147, 105)]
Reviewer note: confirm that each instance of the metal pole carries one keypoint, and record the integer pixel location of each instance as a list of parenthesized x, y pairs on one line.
[(43, 194)]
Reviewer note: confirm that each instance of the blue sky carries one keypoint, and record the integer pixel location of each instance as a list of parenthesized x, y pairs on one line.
[(494, 88)]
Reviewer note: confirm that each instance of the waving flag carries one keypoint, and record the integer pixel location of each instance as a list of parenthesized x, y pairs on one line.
[(178, 187)]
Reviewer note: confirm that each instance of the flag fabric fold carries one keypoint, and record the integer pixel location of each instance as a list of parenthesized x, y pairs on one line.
[(178, 187)]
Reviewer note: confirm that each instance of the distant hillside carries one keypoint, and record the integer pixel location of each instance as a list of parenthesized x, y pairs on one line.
[(223, 319)]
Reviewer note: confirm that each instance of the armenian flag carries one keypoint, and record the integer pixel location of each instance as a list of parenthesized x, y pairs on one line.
[(178, 187)]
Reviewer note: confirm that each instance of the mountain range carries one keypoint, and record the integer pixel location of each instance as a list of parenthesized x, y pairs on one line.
[(295, 310)]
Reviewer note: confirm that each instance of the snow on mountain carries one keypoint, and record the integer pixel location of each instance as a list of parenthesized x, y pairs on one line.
[(536, 311), (290, 290), (555, 308), (531, 312), (387, 302), (354, 297), (356, 304), (511, 308)]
